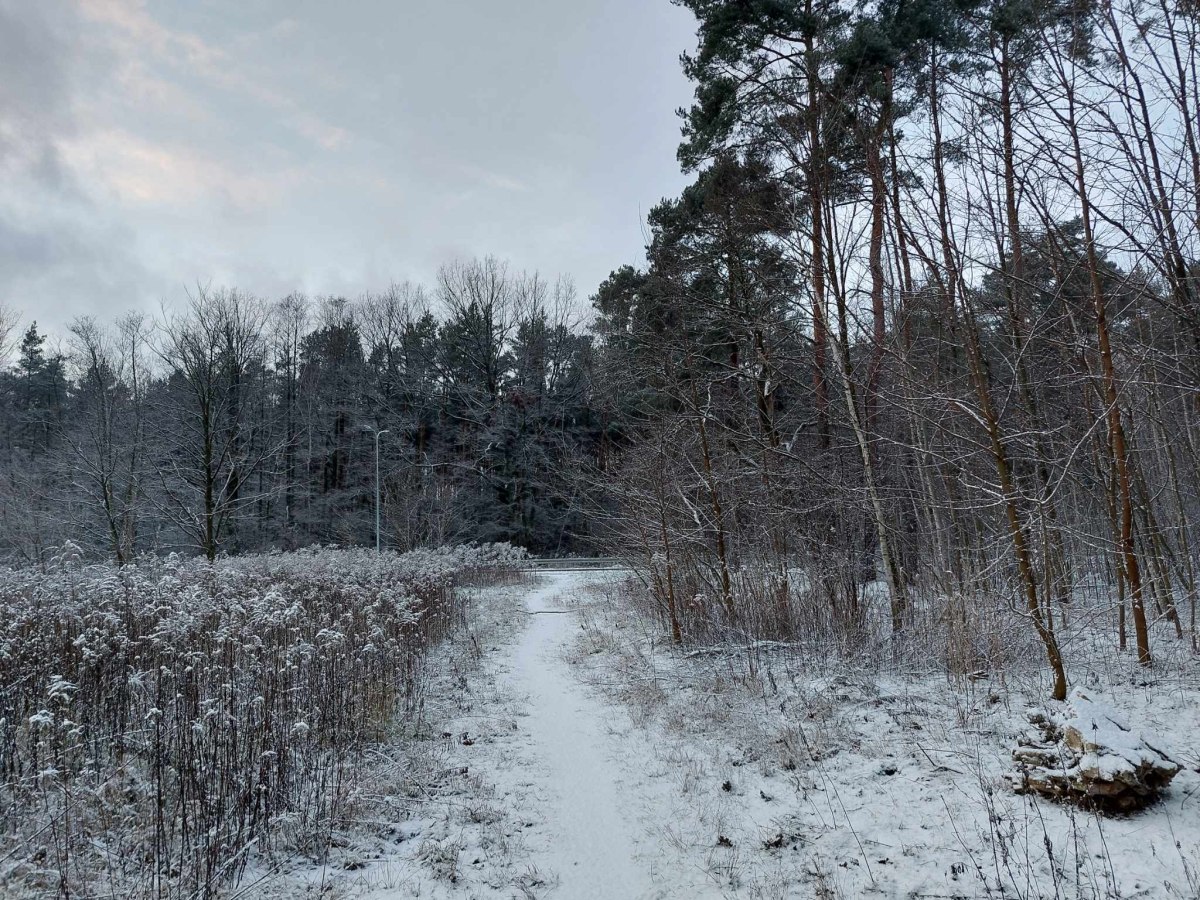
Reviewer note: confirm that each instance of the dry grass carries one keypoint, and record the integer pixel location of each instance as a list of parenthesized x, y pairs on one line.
[(163, 724)]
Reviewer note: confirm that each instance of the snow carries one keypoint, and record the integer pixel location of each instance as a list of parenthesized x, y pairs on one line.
[(881, 784), (1083, 747), (549, 799), (1105, 730), (592, 849), (579, 757)]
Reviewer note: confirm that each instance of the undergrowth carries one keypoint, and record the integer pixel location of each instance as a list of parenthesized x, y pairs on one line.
[(162, 724)]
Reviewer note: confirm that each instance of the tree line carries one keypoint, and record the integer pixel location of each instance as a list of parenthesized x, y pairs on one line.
[(235, 424)]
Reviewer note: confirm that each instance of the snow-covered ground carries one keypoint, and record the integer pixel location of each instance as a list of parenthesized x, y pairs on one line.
[(794, 779), (563, 752), (530, 794)]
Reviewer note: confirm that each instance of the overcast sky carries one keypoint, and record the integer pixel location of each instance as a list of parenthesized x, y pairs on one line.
[(327, 147)]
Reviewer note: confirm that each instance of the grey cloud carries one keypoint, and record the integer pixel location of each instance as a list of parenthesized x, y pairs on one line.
[(32, 56), (46, 72), (24, 253), (297, 144), (55, 274), (34, 100)]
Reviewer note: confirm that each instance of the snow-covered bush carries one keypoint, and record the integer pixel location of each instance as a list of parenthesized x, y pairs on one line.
[(195, 713)]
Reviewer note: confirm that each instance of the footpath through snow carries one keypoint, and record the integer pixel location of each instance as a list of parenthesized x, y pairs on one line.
[(531, 784), (593, 851), (567, 755)]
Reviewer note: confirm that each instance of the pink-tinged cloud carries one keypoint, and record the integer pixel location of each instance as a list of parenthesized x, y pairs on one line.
[(145, 42), (132, 170), (274, 145)]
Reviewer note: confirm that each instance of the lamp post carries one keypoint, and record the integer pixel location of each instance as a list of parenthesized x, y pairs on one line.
[(378, 435)]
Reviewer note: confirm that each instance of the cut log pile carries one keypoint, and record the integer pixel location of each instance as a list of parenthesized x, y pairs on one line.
[(1082, 751)]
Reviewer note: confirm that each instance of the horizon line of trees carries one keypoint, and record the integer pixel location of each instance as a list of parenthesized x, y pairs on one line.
[(236, 424)]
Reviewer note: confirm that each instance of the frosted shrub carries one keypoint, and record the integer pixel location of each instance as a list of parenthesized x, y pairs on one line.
[(197, 714)]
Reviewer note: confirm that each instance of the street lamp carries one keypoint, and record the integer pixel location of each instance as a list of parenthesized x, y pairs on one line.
[(378, 435)]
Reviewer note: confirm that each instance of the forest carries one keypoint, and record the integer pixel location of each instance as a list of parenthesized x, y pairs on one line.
[(924, 332), (927, 318), (845, 543), (234, 424)]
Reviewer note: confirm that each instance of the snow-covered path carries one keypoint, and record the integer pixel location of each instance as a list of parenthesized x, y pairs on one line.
[(561, 755), (592, 847), (568, 760)]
